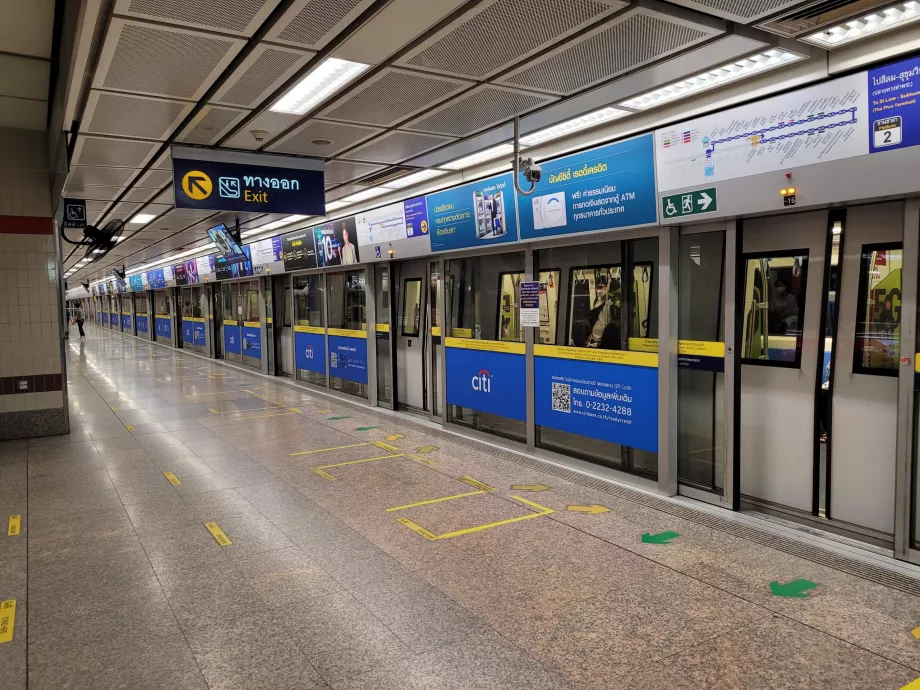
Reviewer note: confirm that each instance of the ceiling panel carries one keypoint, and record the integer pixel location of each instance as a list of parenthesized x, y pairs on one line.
[(140, 194), (166, 197), (339, 172), (481, 108), (82, 175), (395, 147), (745, 11), (627, 42), (392, 96), (155, 179), (313, 23), (300, 140), (210, 124), (133, 116), (499, 33), (94, 192), (261, 73), (123, 211), (271, 123), (121, 153), (230, 16), (162, 61)]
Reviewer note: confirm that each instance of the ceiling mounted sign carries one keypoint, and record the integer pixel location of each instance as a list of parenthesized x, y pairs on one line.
[(216, 180)]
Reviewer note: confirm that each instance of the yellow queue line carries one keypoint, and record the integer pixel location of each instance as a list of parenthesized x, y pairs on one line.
[(431, 536)]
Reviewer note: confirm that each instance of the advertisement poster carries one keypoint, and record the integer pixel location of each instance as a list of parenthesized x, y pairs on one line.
[(252, 341), (137, 284), (348, 358), (604, 188), (226, 270), (336, 243), (475, 215), (163, 327), (126, 322), (894, 114), (487, 376), (821, 123), (156, 279), (188, 332), (266, 251), (144, 281), (142, 324), (191, 272), (204, 264), (181, 276), (232, 341), (105, 318), (310, 349), (400, 221), (168, 274), (530, 303), (586, 391), (298, 250)]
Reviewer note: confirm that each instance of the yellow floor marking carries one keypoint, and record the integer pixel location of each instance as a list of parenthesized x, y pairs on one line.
[(7, 620), (14, 526), (130, 427), (435, 500), (322, 411), (295, 410), (323, 450), (173, 479), (218, 534), (530, 487), (324, 475), (466, 479), (114, 409), (212, 410), (913, 685), (916, 633), (593, 509), (386, 446), (350, 462), (415, 527), (394, 437), (422, 460)]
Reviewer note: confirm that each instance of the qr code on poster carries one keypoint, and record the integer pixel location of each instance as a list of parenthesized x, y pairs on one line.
[(562, 397), (333, 359)]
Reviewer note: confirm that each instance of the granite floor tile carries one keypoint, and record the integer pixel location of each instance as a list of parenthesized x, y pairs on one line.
[(183, 549), (204, 596), (251, 534), (161, 515)]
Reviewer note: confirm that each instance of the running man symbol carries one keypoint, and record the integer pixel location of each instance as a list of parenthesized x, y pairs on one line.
[(197, 185), (686, 202)]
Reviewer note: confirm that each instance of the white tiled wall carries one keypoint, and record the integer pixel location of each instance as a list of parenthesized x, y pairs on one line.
[(23, 402)]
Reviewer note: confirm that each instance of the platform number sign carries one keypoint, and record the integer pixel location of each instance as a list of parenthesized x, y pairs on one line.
[(887, 132)]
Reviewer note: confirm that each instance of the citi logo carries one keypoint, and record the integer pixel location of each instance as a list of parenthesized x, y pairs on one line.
[(309, 353), (482, 382)]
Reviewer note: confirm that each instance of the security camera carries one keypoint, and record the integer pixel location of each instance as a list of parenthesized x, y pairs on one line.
[(532, 171), (258, 135)]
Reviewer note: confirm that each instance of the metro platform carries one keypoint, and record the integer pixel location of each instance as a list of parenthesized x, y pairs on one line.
[(204, 527)]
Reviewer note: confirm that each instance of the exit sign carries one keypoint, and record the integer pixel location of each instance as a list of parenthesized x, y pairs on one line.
[(689, 203)]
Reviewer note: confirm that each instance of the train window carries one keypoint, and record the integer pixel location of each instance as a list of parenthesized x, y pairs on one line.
[(288, 307), (878, 314), (774, 308), (509, 319), (252, 308), (595, 302), (642, 299), (308, 296), (347, 296), (411, 306)]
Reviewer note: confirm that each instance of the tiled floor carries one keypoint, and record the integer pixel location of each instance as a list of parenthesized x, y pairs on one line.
[(119, 584)]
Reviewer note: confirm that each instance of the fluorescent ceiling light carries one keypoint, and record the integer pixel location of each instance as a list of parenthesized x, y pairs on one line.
[(740, 69), (142, 218), (161, 262), (318, 85), (412, 179), (335, 206), (363, 195), (274, 225), (865, 26), (574, 125), (481, 157)]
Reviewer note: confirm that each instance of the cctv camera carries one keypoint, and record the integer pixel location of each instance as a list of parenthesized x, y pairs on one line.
[(258, 135), (532, 171)]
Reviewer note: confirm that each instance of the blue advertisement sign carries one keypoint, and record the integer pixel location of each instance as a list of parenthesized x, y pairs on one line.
[(142, 324), (136, 282), (416, 215), (163, 327), (894, 113), (252, 341), (348, 358), (479, 214), (188, 332), (258, 183), (232, 341), (608, 187), (310, 352), (198, 333), (105, 318), (617, 403), (491, 382), (126, 322), (156, 279)]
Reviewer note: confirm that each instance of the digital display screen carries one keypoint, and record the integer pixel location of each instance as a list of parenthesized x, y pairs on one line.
[(228, 247), (119, 282), (228, 271)]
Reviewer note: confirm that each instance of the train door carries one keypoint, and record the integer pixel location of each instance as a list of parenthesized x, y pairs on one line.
[(269, 317), (780, 306), (251, 331), (185, 313), (411, 326), (437, 354), (283, 314), (232, 322), (217, 322)]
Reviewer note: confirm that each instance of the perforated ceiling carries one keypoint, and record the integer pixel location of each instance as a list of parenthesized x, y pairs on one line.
[(234, 16), (739, 10), (133, 116), (311, 23), (211, 124), (112, 152), (341, 135), (260, 74), (396, 147)]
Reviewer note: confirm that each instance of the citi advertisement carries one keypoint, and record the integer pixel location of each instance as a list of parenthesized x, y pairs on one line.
[(486, 376), (348, 355), (163, 327), (126, 322), (480, 214), (142, 324), (601, 189), (232, 341), (604, 394), (252, 341), (310, 349)]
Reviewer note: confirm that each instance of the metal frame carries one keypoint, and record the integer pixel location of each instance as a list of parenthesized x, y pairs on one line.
[(667, 359)]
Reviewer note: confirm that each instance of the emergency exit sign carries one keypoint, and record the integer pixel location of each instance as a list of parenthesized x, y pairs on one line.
[(689, 203)]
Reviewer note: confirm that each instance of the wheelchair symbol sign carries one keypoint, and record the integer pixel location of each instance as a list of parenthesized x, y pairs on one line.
[(74, 213)]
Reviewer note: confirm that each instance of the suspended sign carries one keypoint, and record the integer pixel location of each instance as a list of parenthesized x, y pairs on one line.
[(208, 179)]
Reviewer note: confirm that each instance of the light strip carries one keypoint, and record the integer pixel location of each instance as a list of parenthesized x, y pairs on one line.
[(364, 195), (710, 79), (865, 26), (142, 218), (330, 76), (574, 125), (274, 225), (336, 205), (412, 179), (481, 157)]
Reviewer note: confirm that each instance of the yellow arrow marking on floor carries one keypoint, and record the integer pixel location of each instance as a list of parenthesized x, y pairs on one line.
[(173, 479), (593, 509), (350, 462), (218, 534), (114, 409), (394, 437), (426, 449), (130, 427), (415, 527), (386, 446), (482, 486), (916, 633), (14, 526), (7, 620), (530, 487), (379, 444), (322, 411)]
